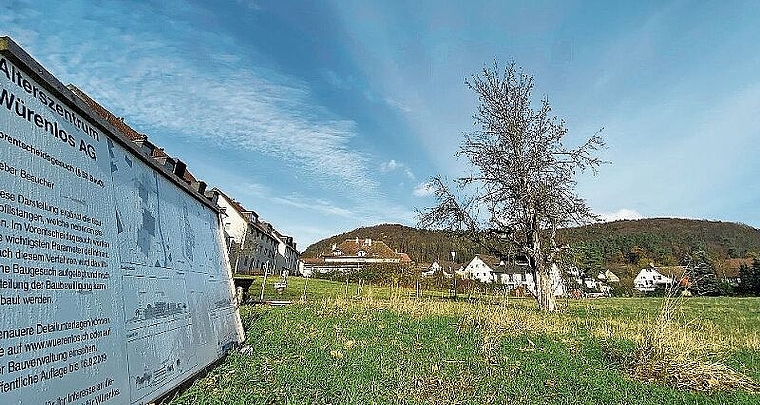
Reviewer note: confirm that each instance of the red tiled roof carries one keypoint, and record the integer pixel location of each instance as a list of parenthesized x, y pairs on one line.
[(404, 258), (730, 267), (117, 122), (674, 272), (122, 127), (236, 205), (158, 153), (187, 176), (491, 261), (502, 266)]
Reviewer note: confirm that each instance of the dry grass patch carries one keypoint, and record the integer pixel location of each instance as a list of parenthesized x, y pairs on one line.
[(689, 375), (437, 390), (682, 356)]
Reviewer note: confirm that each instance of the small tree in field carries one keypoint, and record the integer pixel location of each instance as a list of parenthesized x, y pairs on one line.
[(521, 188)]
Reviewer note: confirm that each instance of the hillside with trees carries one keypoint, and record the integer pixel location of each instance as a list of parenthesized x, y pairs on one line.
[(422, 246), (663, 241)]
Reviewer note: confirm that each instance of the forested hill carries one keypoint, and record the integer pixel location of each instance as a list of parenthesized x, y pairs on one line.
[(662, 240), (420, 245)]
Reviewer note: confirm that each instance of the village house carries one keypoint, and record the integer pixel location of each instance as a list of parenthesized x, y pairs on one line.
[(353, 255), (287, 254), (447, 269), (650, 278), (728, 270), (483, 268), (608, 276), (252, 244), (513, 274), (598, 285)]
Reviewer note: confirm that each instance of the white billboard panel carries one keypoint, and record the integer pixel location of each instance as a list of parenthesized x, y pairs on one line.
[(114, 285)]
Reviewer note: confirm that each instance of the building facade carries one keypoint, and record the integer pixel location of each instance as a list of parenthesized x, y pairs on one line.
[(650, 279), (287, 254), (515, 273), (255, 246)]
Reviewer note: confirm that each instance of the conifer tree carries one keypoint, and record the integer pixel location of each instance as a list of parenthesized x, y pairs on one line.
[(700, 273)]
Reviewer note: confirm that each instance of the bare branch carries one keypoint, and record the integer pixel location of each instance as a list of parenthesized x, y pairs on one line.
[(522, 186)]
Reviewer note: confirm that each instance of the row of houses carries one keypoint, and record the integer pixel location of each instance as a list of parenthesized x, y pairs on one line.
[(255, 246), (517, 274), (352, 255), (252, 244), (654, 277), (512, 273)]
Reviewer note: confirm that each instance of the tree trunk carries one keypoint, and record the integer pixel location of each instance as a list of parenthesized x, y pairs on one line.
[(547, 302)]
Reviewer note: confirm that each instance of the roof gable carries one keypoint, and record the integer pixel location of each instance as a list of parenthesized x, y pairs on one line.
[(371, 249)]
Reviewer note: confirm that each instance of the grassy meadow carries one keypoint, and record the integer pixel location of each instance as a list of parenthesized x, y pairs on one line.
[(387, 346)]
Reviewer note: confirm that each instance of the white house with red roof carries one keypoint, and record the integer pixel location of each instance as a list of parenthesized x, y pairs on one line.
[(353, 254)]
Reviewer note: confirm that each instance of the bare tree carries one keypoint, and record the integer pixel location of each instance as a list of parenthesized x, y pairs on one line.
[(521, 187)]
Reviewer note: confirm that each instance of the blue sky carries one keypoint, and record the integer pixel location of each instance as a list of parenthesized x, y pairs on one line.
[(327, 116)]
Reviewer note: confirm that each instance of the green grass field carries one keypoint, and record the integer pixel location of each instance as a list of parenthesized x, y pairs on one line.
[(389, 347), (315, 289)]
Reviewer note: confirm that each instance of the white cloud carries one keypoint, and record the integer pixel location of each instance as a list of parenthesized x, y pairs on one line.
[(623, 213), (318, 205), (389, 166), (223, 100), (397, 104), (255, 189), (424, 189), (392, 165)]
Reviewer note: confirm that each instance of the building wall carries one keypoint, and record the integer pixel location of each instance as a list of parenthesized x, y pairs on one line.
[(234, 222), (649, 279), (139, 273)]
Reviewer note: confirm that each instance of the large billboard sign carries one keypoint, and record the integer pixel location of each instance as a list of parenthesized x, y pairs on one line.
[(114, 282)]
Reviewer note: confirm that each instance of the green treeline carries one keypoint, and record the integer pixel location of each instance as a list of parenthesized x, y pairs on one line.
[(662, 241)]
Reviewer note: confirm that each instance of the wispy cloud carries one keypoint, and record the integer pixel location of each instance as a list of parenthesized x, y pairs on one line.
[(423, 189), (623, 213), (222, 99), (389, 166), (314, 204), (392, 165), (337, 81), (397, 104)]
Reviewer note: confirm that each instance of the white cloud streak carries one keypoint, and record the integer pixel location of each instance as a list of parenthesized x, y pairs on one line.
[(222, 100), (392, 165), (623, 213), (423, 189), (318, 205)]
